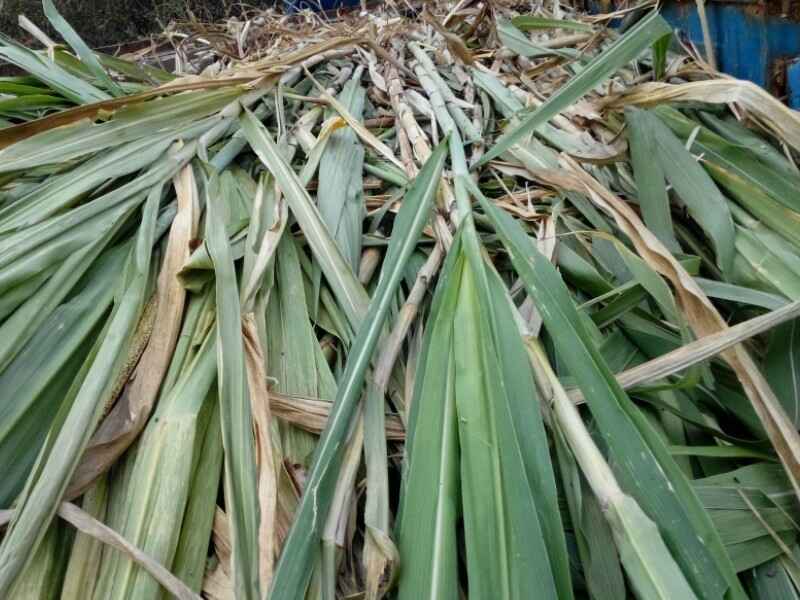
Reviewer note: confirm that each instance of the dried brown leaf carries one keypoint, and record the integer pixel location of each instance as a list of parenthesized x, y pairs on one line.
[(125, 421)]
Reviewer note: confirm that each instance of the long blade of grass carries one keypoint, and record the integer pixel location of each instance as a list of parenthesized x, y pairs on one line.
[(68, 85), (182, 111), (531, 22), (697, 190), (504, 472), (235, 411), (426, 523), (650, 180), (81, 49), (128, 417), (340, 195), (90, 526), (503, 364)]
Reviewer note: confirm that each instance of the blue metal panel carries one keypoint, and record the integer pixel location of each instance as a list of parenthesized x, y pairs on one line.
[(746, 43), (295, 5), (741, 43), (793, 83)]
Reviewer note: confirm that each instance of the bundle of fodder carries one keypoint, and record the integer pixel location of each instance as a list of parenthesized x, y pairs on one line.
[(430, 302)]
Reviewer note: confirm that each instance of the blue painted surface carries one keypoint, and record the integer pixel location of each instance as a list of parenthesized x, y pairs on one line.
[(793, 83), (746, 45), (295, 5)]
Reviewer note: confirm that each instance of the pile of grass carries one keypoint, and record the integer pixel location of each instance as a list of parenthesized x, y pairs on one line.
[(453, 301)]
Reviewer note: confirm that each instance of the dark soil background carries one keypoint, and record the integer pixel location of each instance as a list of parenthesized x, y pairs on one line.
[(104, 23)]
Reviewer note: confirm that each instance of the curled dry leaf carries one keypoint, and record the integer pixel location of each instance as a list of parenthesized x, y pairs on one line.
[(128, 416), (770, 112)]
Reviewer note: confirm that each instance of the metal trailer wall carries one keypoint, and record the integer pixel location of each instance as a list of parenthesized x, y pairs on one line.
[(748, 43), (295, 5)]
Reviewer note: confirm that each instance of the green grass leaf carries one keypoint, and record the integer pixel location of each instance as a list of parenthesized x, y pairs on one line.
[(83, 51), (692, 184), (531, 22), (235, 412)]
